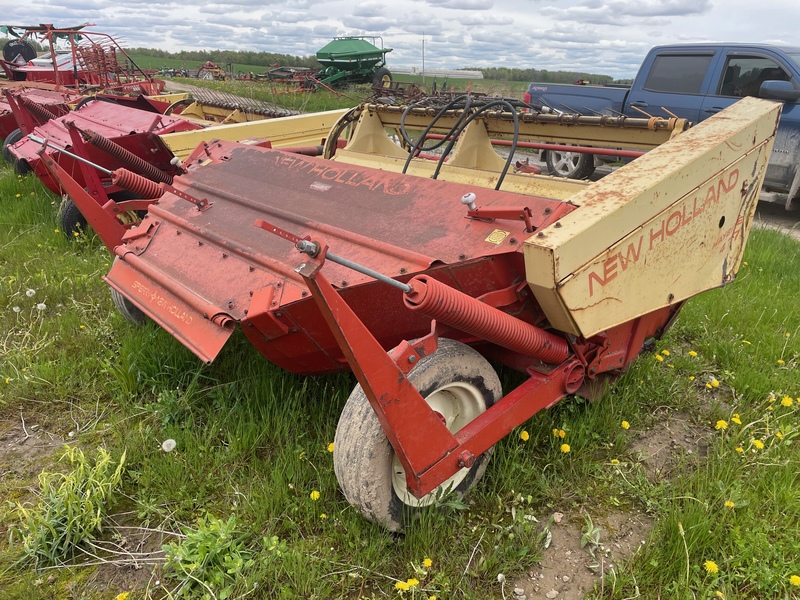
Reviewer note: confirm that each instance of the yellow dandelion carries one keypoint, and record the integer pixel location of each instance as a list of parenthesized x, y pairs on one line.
[(323, 516), (736, 419), (56, 231), (788, 334), (432, 597), (714, 382), (739, 449), (779, 435), (729, 504), (711, 566), (524, 435), (770, 407), (746, 342), (123, 596), (692, 353), (780, 361), (413, 582), (614, 461), (565, 448), (659, 358), (626, 425), (562, 434), (771, 397), (786, 401), (330, 447), (745, 263), (401, 585), (81, 326), (719, 594), (671, 366), (723, 425), (758, 444), (8, 380), (76, 234), (314, 495), (691, 377), (555, 432), (665, 352), (795, 580), (708, 385), (18, 195), (427, 563)]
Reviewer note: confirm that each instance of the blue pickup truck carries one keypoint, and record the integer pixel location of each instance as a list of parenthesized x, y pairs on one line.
[(694, 81)]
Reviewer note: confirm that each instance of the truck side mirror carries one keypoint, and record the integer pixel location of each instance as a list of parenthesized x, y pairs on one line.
[(774, 89)]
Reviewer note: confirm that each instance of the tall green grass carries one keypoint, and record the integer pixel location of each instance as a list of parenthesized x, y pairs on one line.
[(252, 444)]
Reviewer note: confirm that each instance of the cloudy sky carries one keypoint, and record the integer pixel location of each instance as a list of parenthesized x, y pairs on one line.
[(596, 36)]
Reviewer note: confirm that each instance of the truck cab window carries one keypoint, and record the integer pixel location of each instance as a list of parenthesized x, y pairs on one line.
[(743, 75), (678, 73)]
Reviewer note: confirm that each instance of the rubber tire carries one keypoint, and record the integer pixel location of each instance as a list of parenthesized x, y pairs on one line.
[(363, 458), (72, 220), (382, 78), (127, 309), (572, 165), (11, 139)]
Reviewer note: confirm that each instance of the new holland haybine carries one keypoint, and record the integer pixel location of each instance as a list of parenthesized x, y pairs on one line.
[(416, 257)]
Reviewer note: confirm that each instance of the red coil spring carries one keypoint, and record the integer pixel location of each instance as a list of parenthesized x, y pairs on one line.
[(136, 163), (137, 184), (465, 313), (38, 110)]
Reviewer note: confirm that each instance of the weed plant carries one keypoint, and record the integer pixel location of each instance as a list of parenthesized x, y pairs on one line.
[(70, 508)]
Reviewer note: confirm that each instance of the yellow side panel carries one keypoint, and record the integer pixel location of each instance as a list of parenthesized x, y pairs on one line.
[(667, 226)]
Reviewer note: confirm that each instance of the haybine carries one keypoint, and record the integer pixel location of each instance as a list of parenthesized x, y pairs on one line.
[(414, 271)]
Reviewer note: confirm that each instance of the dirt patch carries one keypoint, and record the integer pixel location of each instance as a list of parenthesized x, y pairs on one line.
[(660, 447), (25, 447), (569, 568)]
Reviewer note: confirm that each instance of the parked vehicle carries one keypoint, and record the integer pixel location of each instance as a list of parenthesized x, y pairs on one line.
[(694, 81)]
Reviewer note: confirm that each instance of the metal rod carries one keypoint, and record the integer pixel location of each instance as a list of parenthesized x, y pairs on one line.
[(41, 141), (367, 271)]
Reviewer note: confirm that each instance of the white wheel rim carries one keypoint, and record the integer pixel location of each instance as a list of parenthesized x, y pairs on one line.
[(458, 403), (566, 162)]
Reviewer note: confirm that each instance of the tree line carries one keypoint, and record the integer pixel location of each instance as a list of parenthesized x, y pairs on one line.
[(268, 59)]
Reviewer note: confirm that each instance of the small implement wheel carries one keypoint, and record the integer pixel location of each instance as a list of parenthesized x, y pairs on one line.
[(127, 309), (11, 139), (459, 384), (573, 165), (382, 78)]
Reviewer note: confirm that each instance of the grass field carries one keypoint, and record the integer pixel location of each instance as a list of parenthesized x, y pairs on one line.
[(217, 481)]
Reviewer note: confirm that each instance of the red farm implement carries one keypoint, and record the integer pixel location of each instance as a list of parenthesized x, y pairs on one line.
[(413, 272)]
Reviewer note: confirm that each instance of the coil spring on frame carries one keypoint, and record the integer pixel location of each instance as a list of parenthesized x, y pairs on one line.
[(136, 183), (136, 163), (456, 309)]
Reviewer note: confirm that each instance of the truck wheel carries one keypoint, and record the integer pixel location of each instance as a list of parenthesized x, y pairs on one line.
[(460, 385), (11, 139), (382, 78), (128, 309), (573, 165)]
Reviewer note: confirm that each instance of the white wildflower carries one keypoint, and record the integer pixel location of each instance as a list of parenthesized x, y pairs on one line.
[(16, 309), (29, 292), (168, 445), (41, 306)]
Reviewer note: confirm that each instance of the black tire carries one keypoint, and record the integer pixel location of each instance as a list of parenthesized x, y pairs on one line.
[(455, 379), (572, 165), (382, 78), (11, 139), (14, 48), (127, 309), (72, 220)]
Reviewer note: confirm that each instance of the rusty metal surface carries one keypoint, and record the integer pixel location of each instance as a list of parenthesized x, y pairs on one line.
[(135, 130), (396, 224), (659, 230)]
